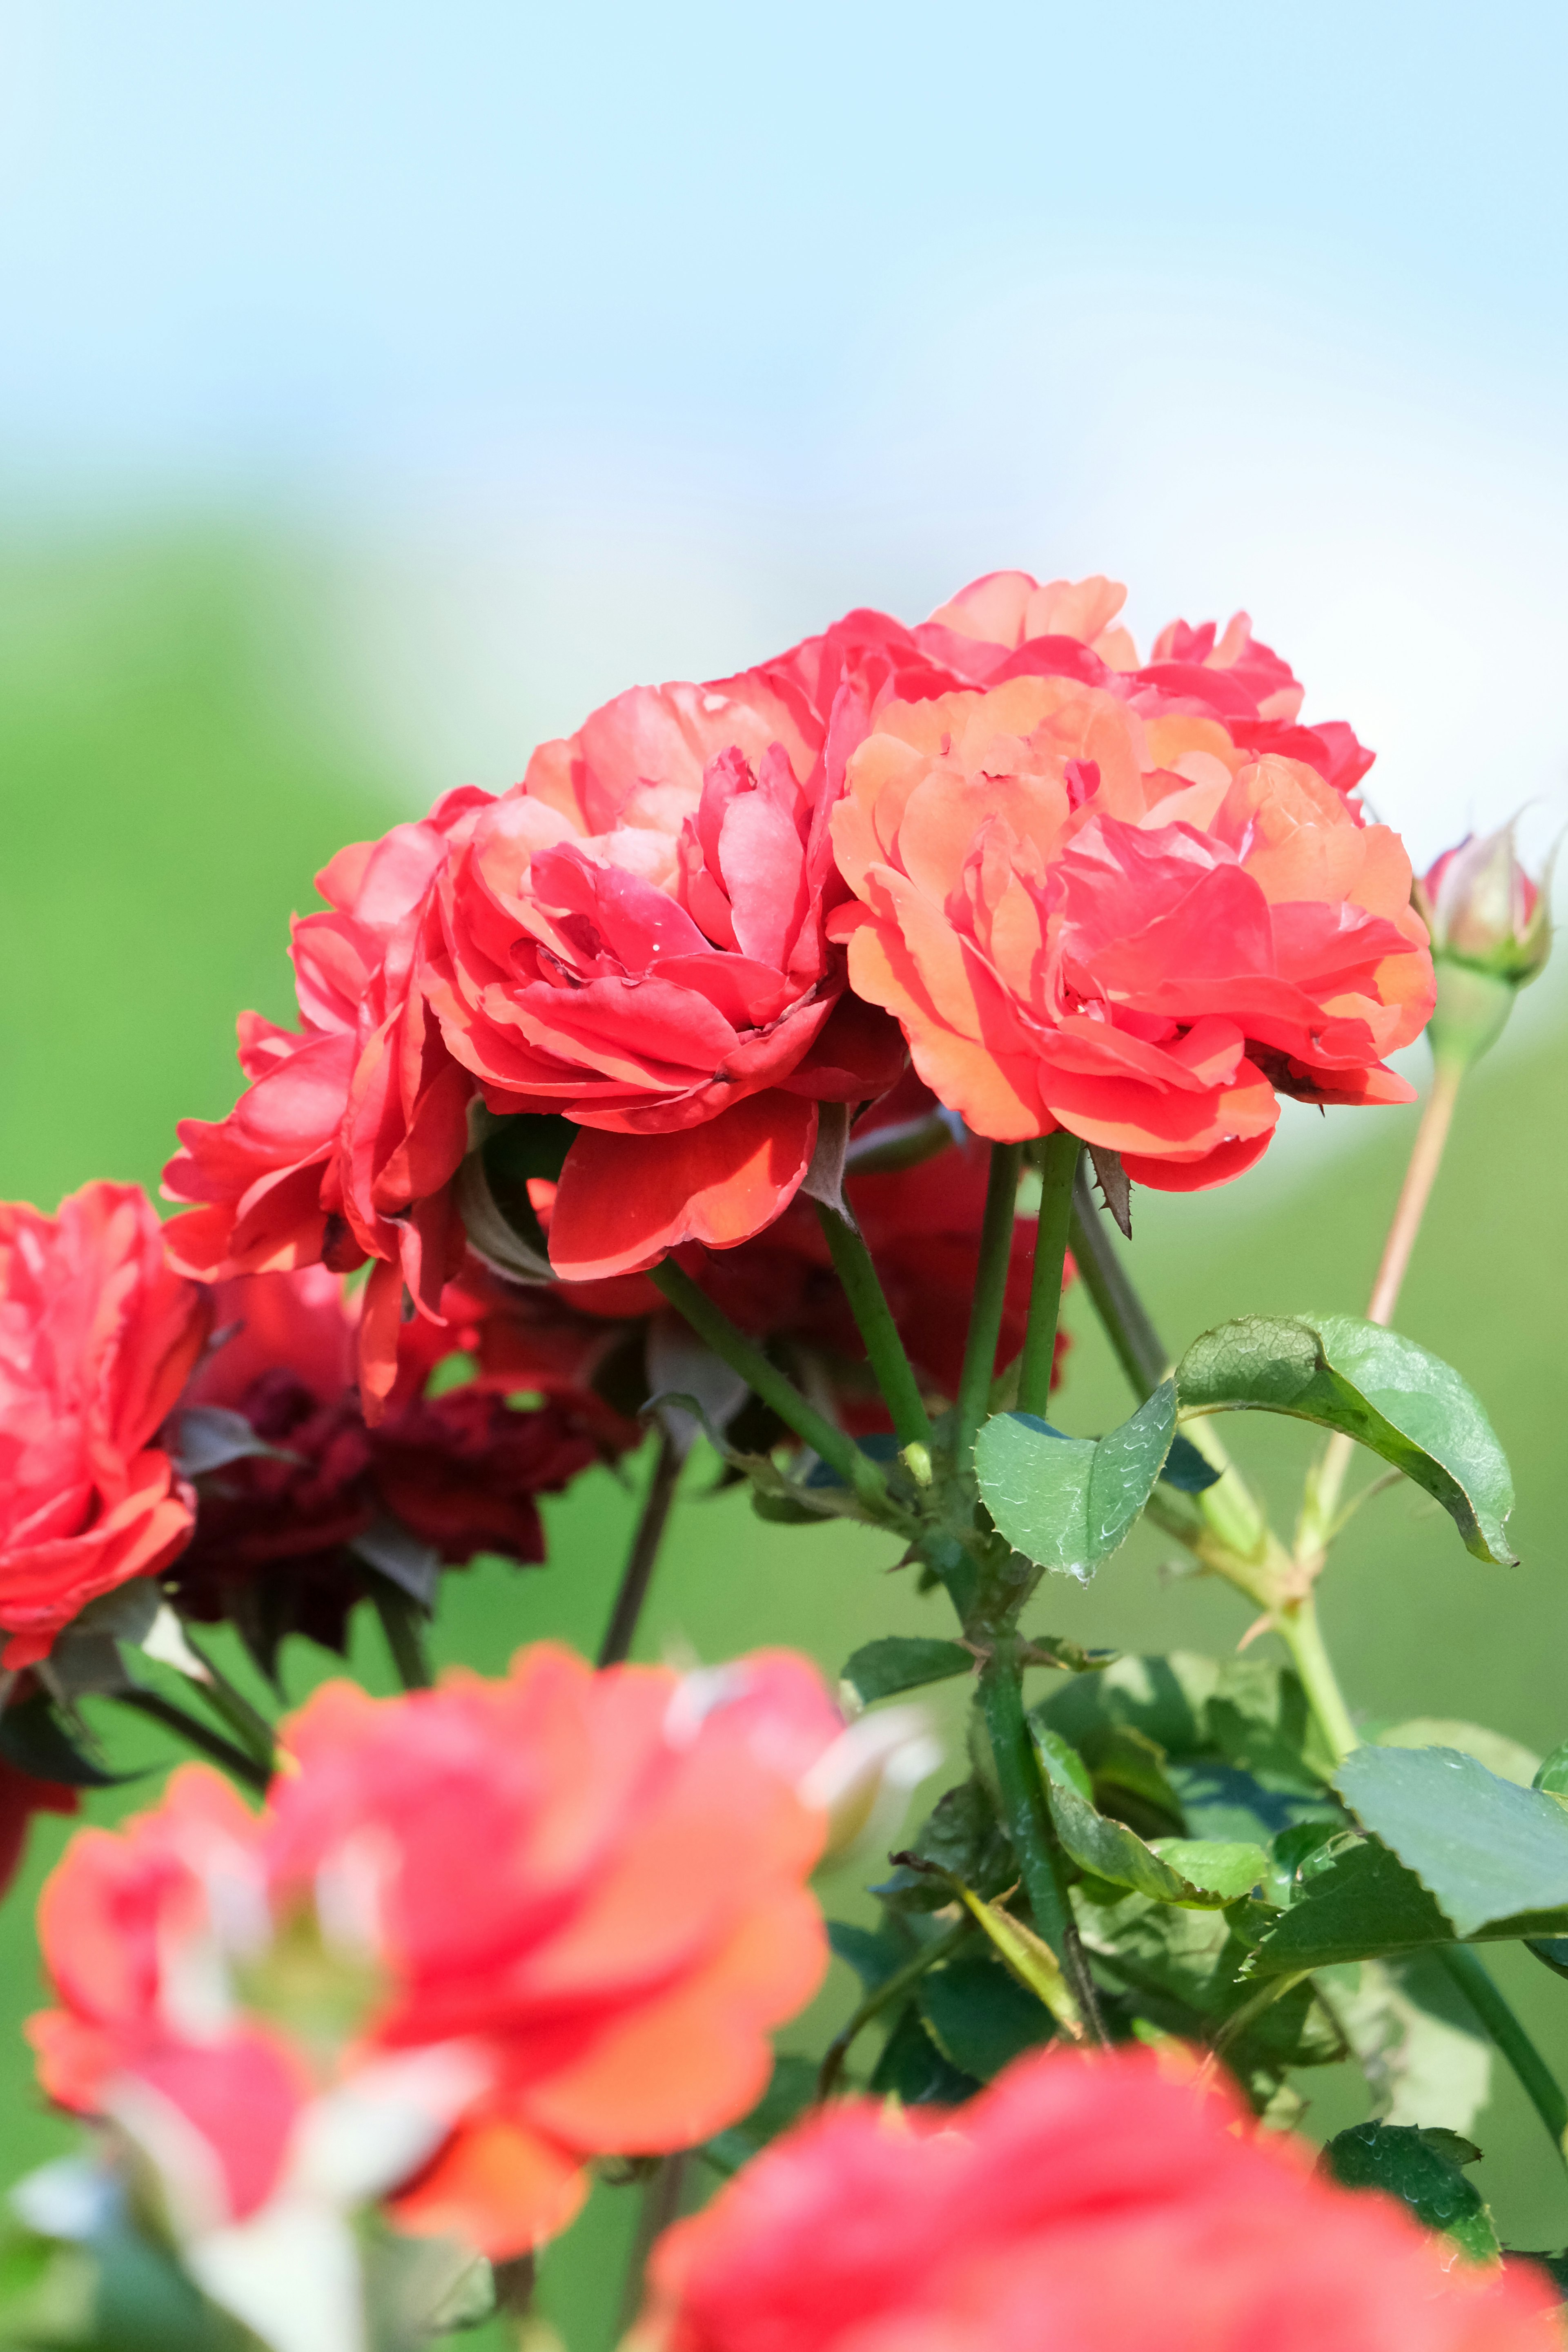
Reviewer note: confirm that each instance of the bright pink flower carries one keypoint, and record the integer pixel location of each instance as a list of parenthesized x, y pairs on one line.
[(459, 1474), (97, 1335), (590, 1888), (1081, 2205), (345, 1143), (635, 937)]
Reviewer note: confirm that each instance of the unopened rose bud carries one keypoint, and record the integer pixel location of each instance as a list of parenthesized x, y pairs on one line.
[(1491, 935), (864, 1779)]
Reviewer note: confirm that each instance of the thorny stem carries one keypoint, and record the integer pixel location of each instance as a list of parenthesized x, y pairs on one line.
[(401, 1617), (874, 1317), (1137, 1344), (1320, 1502), (642, 1557), (195, 1734), (1058, 1166), (839, 1452), (882, 1996), (1028, 1822), (986, 1307)]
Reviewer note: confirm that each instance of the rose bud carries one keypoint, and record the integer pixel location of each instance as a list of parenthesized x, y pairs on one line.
[(1491, 935)]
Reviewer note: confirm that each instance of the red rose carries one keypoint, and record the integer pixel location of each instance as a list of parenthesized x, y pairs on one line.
[(590, 1889), (97, 1335), (1126, 925), (22, 1796), (635, 937), (343, 1146), (1081, 2205), (276, 1533)]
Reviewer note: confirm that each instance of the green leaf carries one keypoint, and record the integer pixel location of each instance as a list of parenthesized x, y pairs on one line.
[(34, 1739), (904, 1662), (912, 2069), (1407, 1405), (1506, 1757), (1551, 1774), (980, 2016), (1061, 1761), (1359, 1904), (874, 1953), (1109, 1850), (1422, 2169), (962, 1836), (1029, 1956), (1487, 1851), (1222, 1868), (791, 2091), (1068, 1502), (1425, 2058)]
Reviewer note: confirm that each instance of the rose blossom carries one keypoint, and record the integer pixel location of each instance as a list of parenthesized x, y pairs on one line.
[(1122, 924), (1081, 2205), (343, 1146), (584, 1892), (458, 1473), (97, 1335), (635, 937)]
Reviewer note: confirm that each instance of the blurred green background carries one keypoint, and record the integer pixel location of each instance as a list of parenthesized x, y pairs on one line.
[(176, 759)]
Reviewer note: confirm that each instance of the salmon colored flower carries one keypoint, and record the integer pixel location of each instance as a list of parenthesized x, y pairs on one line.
[(585, 1892), (286, 1536), (1009, 625), (1123, 925), (635, 937), (1081, 2205), (343, 1146), (97, 1335)]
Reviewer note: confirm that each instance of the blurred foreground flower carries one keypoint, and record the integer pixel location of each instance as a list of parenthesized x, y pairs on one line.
[(480, 1935), (97, 1335), (1492, 936), (1081, 2205)]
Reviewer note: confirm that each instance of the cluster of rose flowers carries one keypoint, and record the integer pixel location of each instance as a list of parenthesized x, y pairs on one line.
[(800, 934)]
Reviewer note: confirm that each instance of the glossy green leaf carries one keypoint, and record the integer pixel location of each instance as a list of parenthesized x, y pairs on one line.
[(1487, 1851), (1070, 1502), (980, 2016), (904, 1662), (1551, 1773), (1509, 1758), (1359, 1904), (1222, 1869), (1404, 1404), (34, 1740), (1422, 2169)]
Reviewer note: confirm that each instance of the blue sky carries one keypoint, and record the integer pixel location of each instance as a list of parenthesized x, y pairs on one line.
[(614, 342)]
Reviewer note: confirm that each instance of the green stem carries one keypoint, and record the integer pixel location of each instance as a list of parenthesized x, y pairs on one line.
[(643, 1555), (1058, 1166), (892, 1989), (232, 1706), (991, 1294), (663, 2194), (1469, 1972), (1028, 1823), (195, 1734), (403, 1623), (1137, 1342), (874, 1317), (839, 1452), (1297, 1625)]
